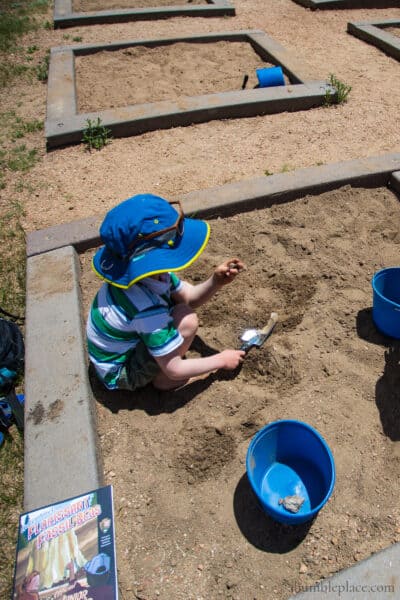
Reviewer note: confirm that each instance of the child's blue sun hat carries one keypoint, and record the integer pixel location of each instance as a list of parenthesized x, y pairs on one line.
[(144, 236)]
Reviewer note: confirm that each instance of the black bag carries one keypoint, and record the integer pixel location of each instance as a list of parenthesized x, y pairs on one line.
[(12, 355)]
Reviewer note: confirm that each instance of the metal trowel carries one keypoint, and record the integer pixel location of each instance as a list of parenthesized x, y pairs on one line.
[(256, 337)]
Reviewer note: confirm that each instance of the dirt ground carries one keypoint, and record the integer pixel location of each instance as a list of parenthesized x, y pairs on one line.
[(188, 526)]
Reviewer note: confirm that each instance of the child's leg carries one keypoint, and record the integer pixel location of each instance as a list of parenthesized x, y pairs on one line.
[(187, 323)]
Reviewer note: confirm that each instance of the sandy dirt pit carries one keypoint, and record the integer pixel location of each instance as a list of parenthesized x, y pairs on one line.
[(188, 526), (139, 74)]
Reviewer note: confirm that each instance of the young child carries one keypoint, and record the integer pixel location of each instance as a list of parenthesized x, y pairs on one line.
[(143, 320)]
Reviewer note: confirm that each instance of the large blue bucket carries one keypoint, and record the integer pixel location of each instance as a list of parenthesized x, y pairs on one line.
[(290, 458), (386, 301)]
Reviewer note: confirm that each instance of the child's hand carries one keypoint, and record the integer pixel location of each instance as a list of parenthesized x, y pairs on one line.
[(232, 358), (227, 272)]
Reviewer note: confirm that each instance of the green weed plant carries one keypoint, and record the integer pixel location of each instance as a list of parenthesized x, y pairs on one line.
[(96, 135), (342, 90)]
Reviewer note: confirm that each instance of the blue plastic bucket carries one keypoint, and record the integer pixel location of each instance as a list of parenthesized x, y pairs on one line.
[(290, 458), (270, 76), (386, 301)]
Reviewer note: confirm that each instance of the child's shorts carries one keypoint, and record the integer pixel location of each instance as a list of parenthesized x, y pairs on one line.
[(139, 370)]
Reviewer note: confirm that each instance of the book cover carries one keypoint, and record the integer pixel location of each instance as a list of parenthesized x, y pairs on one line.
[(66, 550)]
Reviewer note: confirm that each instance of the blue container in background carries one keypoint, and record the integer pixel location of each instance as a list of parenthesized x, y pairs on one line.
[(386, 301), (290, 458), (270, 76)]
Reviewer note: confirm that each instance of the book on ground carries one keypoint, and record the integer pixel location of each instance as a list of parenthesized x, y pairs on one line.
[(66, 550)]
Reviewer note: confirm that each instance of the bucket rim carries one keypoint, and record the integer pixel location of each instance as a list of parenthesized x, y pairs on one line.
[(279, 67), (379, 274)]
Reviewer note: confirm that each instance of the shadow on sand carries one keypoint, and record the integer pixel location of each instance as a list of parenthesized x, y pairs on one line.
[(387, 388), (258, 528)]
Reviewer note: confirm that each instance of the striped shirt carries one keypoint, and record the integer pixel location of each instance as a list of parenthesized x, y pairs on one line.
[(119, 319)]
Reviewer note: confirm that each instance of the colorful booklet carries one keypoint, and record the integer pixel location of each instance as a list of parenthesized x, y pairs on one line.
[(66, 551)]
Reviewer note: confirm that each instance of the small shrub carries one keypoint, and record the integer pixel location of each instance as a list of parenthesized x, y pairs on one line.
[(96, 135), (342, 91)]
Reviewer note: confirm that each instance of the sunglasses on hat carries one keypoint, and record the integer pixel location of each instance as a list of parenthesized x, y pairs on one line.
[(159, 237)]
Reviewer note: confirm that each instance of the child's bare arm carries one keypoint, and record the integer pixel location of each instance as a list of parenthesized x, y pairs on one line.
[(176, 368), (196, 295)]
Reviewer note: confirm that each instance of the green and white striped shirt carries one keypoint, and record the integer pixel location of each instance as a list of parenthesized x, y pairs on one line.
[(119, 319)]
